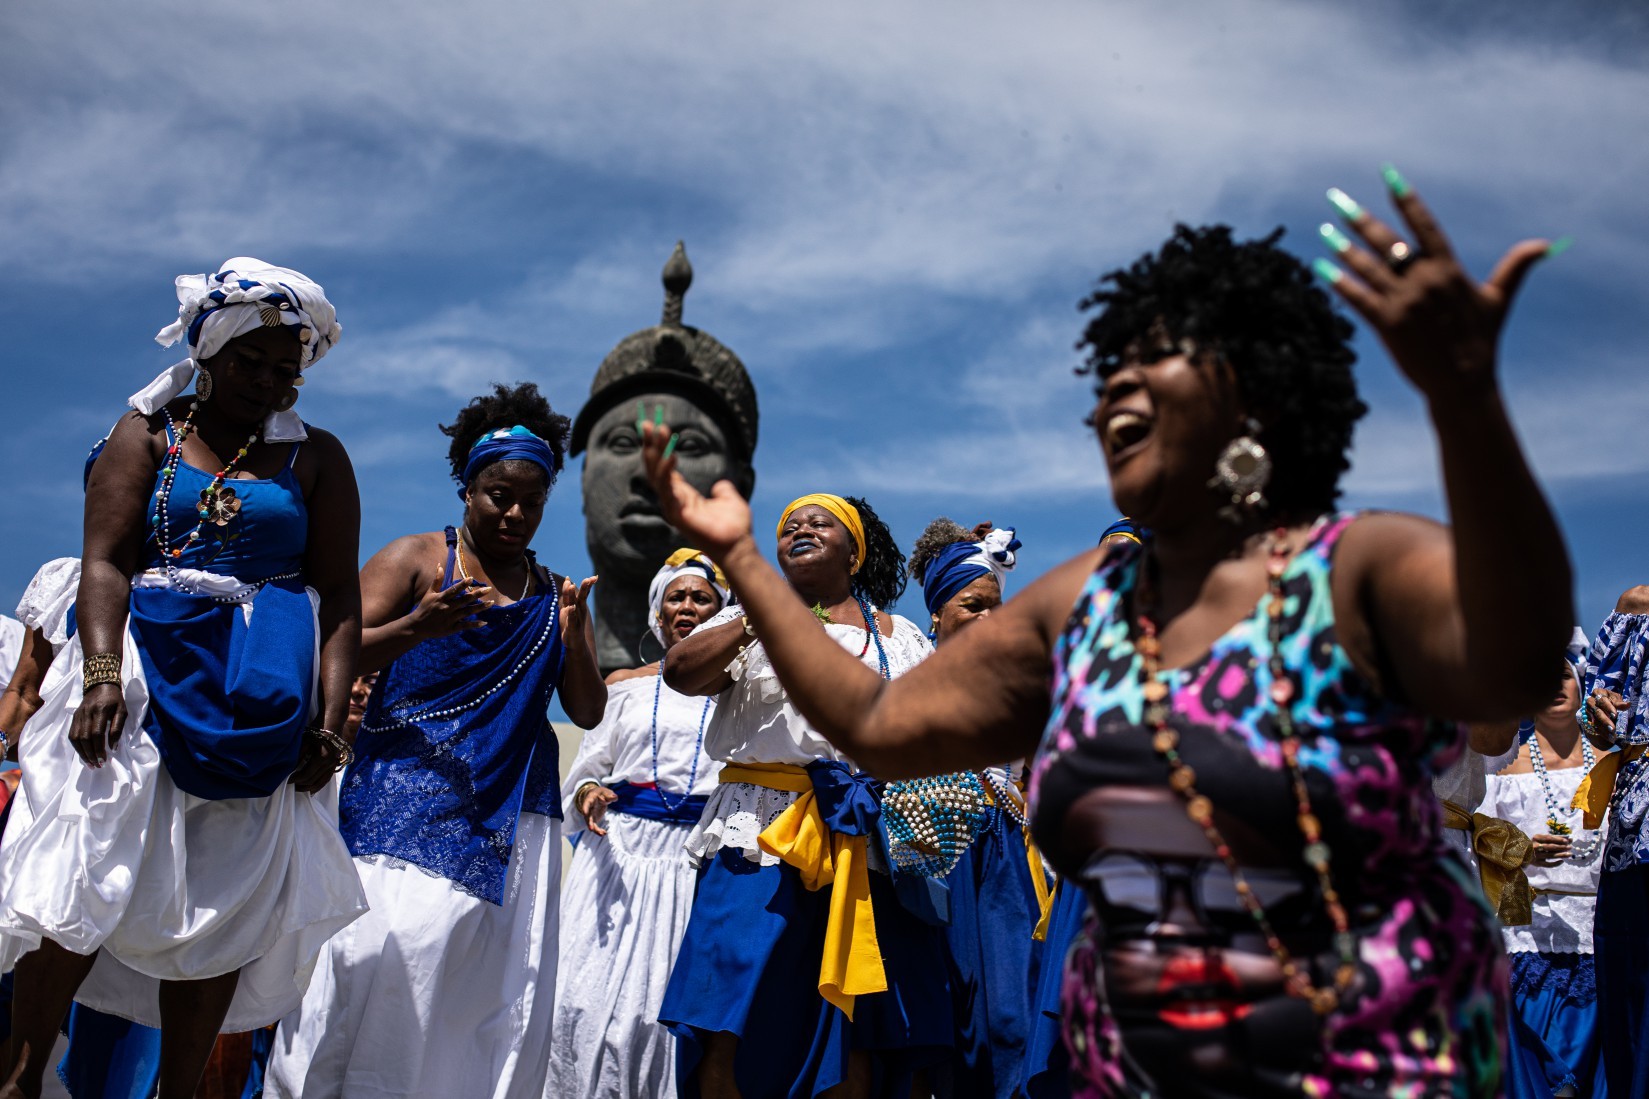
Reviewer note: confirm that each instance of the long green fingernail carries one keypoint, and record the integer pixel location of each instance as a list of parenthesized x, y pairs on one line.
[(670, 447), (1395, 182), (1327, 271), (1345, 204), (641, 416), (1334, 238), (1559, 246), (658, 415)]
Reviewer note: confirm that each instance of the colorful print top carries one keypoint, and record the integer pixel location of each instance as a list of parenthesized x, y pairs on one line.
[(1424, 1015)]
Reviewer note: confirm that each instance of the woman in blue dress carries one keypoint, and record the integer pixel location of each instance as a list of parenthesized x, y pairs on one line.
[(176, 859), (451, 808), (1009, 923)]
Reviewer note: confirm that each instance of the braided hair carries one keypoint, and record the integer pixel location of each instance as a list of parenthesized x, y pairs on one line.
[(1260, 310), (507, 406), (881, 577)]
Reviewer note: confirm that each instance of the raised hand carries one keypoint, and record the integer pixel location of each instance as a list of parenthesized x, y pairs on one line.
[(1441, 326), (447, 610), (711, 523), (576, 621)]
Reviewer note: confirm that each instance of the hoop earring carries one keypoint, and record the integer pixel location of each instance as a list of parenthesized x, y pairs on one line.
[(286, 400), (203, 385), (1242, 472)]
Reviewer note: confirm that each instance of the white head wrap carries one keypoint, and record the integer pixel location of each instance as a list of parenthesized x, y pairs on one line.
[(244, 294), (683, 560)]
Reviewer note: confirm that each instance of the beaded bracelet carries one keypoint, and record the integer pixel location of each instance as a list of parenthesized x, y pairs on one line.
[(346, 754), (1584, 717), (5, 744), (100, 668)]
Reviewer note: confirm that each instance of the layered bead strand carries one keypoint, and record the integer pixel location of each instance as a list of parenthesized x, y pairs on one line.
[(1182, 778)]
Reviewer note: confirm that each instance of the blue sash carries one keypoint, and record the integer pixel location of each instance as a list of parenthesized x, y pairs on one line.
[(228, 699), (648, 804), (455, 734)]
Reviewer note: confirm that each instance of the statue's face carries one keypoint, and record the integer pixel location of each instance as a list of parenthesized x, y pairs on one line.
[(623, 525)]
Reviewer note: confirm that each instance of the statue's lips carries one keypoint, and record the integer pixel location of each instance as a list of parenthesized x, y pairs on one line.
[(642, 519)]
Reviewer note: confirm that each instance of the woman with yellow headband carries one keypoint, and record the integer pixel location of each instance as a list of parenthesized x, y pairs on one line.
[(800, 971)]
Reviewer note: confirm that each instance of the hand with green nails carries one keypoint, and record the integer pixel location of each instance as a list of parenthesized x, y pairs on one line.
[(1441, 326)]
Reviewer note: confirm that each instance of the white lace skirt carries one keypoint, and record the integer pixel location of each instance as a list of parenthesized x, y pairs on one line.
[(624, 908), (434, 993), (165, 886), (736, 814)]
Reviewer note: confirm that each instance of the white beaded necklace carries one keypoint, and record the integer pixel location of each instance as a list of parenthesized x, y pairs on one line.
[(1578, 852)]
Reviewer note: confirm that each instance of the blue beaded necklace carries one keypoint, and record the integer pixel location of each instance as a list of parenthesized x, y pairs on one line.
[(870, 626), (693, 773)]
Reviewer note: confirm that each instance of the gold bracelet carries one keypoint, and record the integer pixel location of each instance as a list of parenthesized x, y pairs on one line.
[(578, 794), (100, 668), (346, 754)]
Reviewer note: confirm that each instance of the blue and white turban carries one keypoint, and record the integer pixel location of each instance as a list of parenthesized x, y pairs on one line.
[(508, 444), (683, 560), (243, 295), (961, 563)]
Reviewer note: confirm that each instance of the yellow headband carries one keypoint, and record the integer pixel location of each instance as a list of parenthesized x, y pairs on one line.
[(682, 556), (845, 513)]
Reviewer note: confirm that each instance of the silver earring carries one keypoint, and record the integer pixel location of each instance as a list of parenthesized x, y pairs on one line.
[(1241, 473)]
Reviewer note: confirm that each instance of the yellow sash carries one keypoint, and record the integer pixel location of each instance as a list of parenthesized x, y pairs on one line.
[(1599, 784), (851, 965), (1502, 850), (1039, 877)]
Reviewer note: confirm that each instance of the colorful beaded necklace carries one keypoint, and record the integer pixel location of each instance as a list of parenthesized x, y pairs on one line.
[(693, 774), (158, 521), (1182, 778)]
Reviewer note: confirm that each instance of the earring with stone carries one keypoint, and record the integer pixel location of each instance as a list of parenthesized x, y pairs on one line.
[(1241, 474)]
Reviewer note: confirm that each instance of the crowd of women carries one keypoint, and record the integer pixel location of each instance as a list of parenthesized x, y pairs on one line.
[(1254, 798)]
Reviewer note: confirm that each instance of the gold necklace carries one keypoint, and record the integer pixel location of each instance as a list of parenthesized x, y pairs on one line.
[(458, 545)]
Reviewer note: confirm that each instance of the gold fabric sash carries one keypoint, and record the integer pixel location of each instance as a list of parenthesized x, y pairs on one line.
[(1599, 784), (1039, 876), (1502, 850)]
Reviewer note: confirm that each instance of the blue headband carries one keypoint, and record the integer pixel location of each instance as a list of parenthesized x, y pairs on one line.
[(508, 444), (961, 563)]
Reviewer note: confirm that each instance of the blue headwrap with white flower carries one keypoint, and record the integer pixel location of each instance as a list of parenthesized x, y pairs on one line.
[(509, 444), (245, 294), (961, 563)]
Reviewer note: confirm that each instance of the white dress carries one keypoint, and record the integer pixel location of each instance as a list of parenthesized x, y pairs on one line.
[(755, 723), (165, 886), (626, 900), (1565, 894), (434, 993)]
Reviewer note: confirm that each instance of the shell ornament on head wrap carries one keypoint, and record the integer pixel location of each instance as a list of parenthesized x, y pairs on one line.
[(243, 295)]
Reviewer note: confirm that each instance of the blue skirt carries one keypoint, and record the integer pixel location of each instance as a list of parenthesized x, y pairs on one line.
[(1554, 1034), (749, 966), (1004, 1039), (1047, 1061), (1618, 933)]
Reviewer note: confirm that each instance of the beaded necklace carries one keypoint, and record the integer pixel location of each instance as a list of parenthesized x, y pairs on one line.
[(463, 573), (1181, 777), (872, 631), (693, 774), (159, 521), (1554, 822), (1007, 797)]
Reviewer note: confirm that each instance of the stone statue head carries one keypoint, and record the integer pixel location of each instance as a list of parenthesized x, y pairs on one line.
[(709, 401)]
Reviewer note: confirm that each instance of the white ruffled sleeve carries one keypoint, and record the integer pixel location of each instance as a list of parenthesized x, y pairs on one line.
[(48, 598), (594, 762)]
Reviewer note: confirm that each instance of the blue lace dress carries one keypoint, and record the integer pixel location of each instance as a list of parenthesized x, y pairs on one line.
[(452, 812)]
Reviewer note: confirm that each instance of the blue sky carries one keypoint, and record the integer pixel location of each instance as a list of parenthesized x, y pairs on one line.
[(892, 210)]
